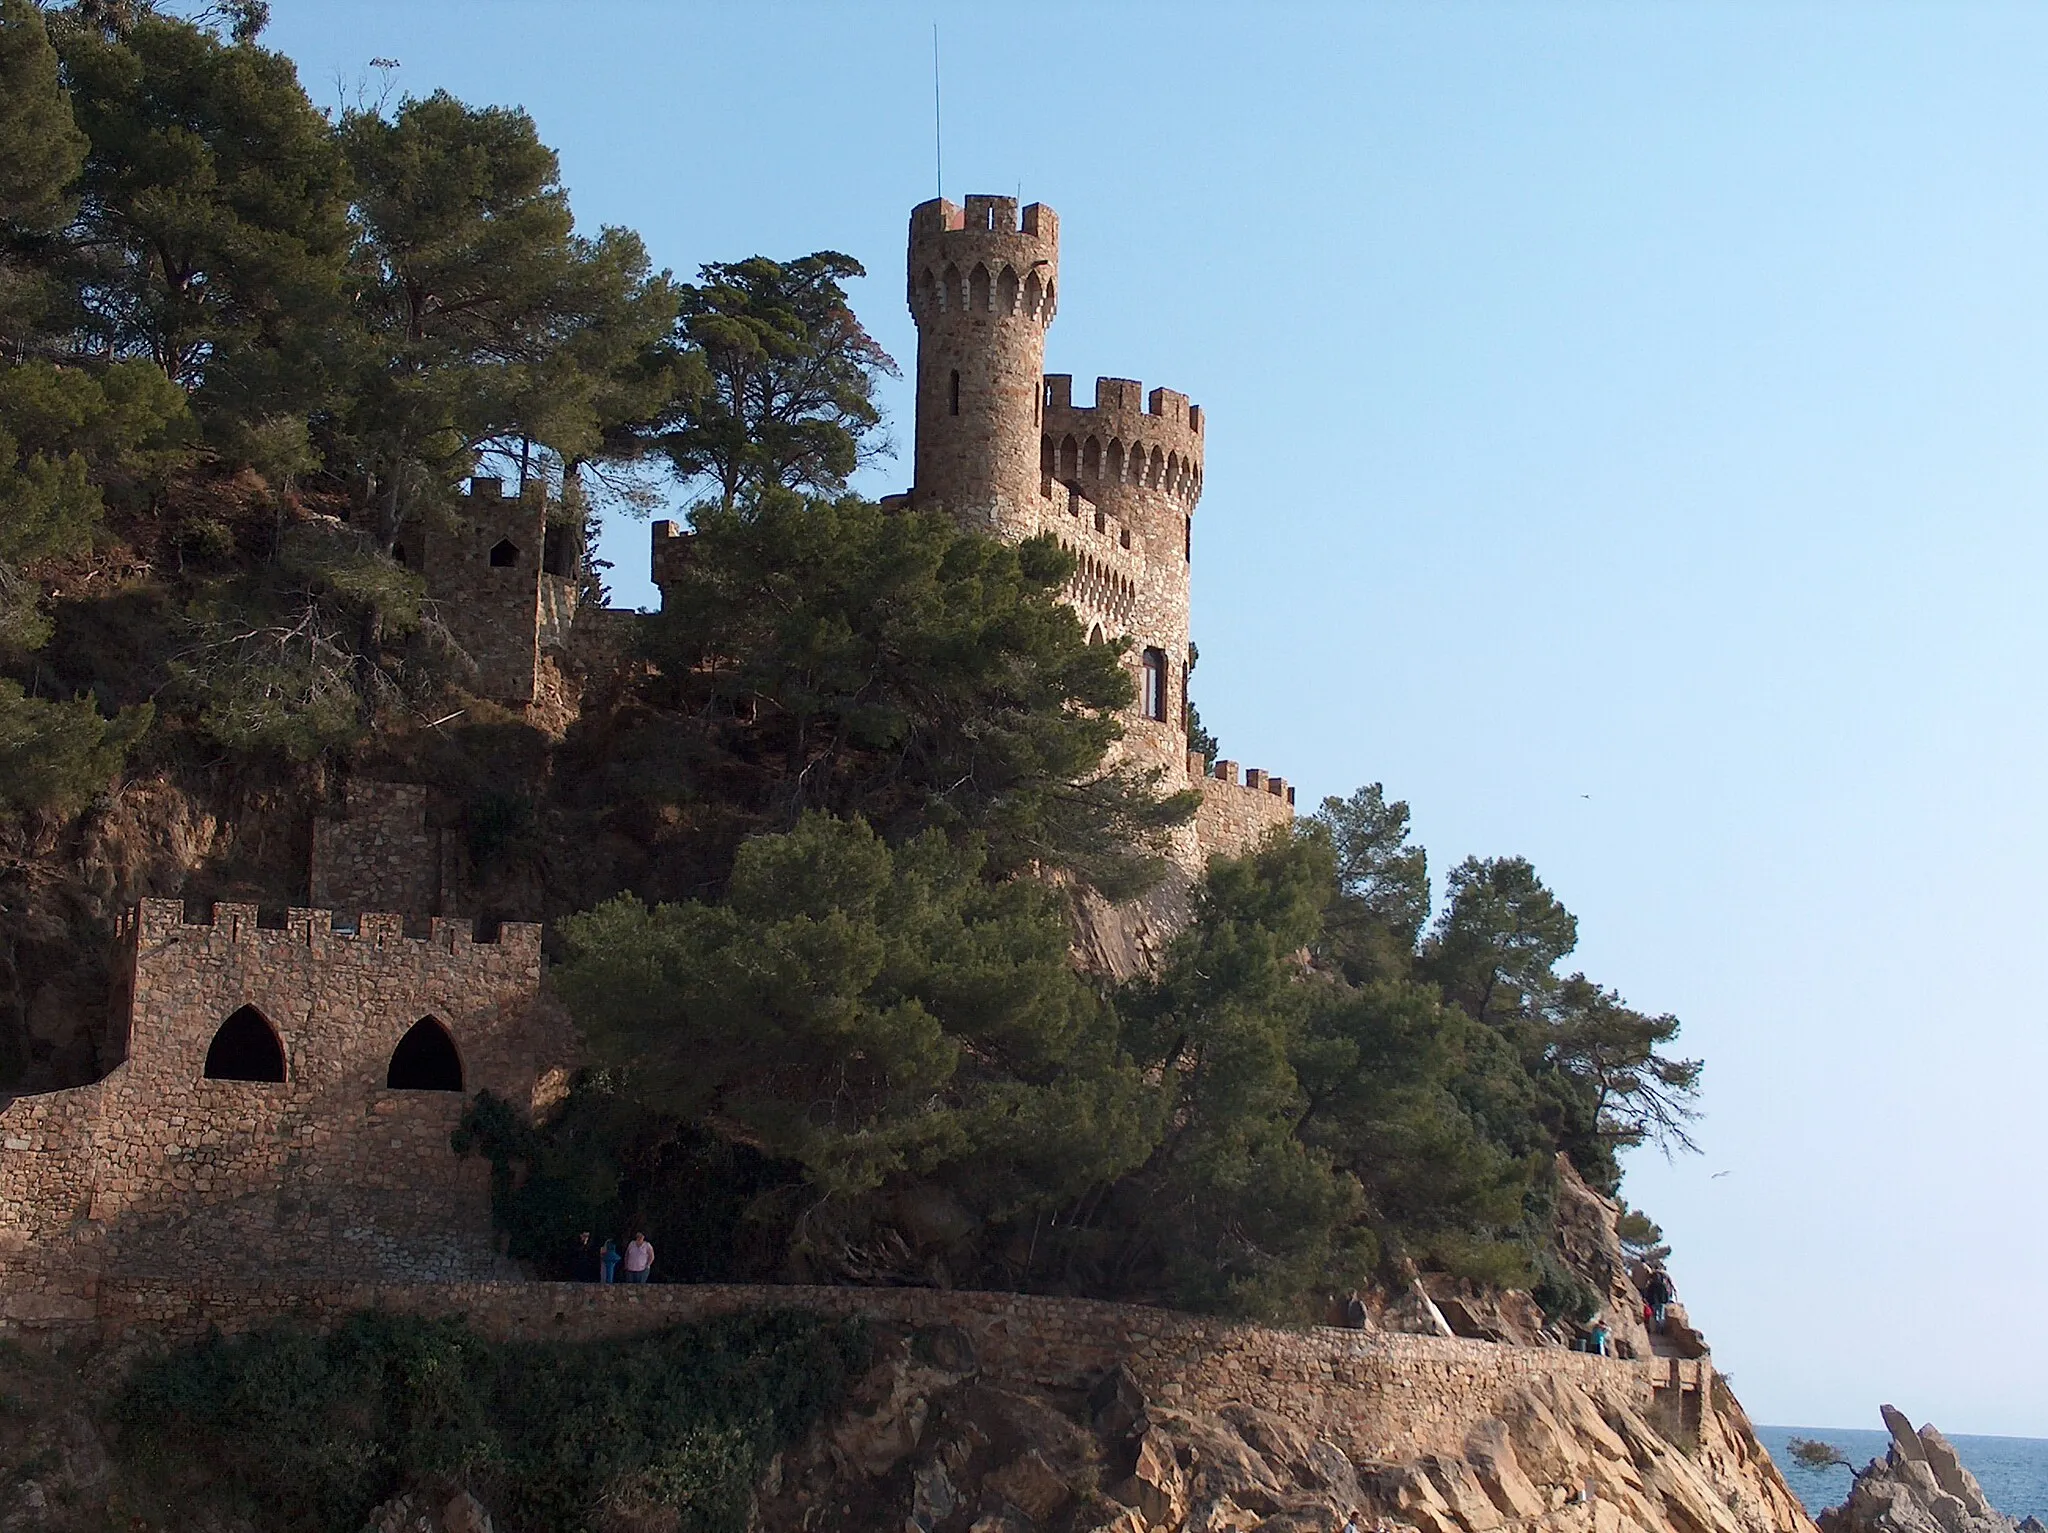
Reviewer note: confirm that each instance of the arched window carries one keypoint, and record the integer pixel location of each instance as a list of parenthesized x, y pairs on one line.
[(245, 1049), (1095, 634), (1091, 459), (425, 1059), (977, 291), (1032, 294), (1006, 291), (1113, 465), (927, 288), (1070, 458), (1154, 695), (949, 288), (953, 393), (504, 554)]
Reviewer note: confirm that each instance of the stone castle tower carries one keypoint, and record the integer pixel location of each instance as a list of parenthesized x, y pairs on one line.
[(1004, 447)]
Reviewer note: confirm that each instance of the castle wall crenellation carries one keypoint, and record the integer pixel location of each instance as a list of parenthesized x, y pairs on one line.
[(287, 1098)]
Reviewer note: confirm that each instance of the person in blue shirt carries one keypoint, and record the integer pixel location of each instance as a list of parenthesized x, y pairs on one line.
[(608, 1261)]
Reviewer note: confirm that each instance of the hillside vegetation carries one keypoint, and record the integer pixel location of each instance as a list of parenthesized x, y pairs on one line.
[(803, 864)]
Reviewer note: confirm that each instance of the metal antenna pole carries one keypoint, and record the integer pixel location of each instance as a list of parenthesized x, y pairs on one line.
[(938, 139)]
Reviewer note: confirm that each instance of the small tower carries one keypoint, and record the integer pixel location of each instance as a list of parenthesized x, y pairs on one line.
[(503, 576), (982, 291)]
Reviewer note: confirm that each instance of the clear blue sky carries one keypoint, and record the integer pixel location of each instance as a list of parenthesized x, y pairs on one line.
[(1625, 443)]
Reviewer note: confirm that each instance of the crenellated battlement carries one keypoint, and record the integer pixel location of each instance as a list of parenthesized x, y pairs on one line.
[(1254, 779), (981, 262), (155, 923), (1124, 438)]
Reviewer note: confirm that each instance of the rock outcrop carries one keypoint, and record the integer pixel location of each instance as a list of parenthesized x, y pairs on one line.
[(929, 1446), (1919, 1486)]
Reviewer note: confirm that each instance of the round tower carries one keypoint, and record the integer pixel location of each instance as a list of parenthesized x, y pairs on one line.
[(982, 291), (1137, 458)]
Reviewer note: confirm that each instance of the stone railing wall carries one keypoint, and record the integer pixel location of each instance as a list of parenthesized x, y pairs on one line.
[(1379, 1396)]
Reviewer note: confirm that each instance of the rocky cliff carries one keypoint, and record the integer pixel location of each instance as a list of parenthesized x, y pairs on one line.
[(928, 1446)]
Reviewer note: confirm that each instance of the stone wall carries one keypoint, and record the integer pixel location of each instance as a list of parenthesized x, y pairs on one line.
[(379, 853), (330, 1171), (1235, 816), (1378, 1396)]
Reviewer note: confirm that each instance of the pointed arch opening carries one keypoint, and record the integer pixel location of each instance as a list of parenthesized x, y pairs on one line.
[(1091, 459), (1113, 465), (949, 289), (1006, 291), (977, 290), (1034, 294), (504, 554), (246, 1048), (1157, 472), (927, 288), (1070, 458), (425, 1059), (1095, 634)]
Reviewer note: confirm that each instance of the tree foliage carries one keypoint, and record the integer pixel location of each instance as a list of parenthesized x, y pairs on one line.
[(213, 216), (892, 666), (309, 1432), (791, 401), (872, 1014), (488, 324)]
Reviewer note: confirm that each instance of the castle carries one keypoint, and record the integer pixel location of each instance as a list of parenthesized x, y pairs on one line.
[(287, 1082), (1000, 445)]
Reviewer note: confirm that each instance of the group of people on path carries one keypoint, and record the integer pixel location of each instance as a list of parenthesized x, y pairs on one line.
[(607, 1264)]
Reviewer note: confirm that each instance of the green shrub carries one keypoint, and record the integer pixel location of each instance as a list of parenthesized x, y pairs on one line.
[(313, 1432)]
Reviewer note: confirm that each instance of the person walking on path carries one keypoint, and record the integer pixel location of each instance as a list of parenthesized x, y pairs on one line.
[(639, 1259), (583, 1260), (607, 1260), (1659, 1291)]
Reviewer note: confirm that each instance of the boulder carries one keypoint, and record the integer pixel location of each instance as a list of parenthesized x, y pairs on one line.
[(1953, 1477), (1030, 1484), (1155, 1486)]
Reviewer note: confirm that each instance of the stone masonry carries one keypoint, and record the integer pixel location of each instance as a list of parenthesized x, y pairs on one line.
[(341, 1168), (1379, 1396), (379, 853)]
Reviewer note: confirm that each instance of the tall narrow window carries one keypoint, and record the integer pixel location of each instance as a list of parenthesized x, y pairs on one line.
[(956, 391), (1187, 540), (245, 1049), (1154, 698)]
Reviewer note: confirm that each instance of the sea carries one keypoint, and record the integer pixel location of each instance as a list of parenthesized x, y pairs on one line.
[(2012, 1470)]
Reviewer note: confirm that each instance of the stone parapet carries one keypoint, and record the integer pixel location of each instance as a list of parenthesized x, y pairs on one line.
[(1380, 1397), (1236, 814)]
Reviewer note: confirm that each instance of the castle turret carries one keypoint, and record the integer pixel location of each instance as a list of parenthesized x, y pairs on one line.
[(982, 291), (1005, 449)]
